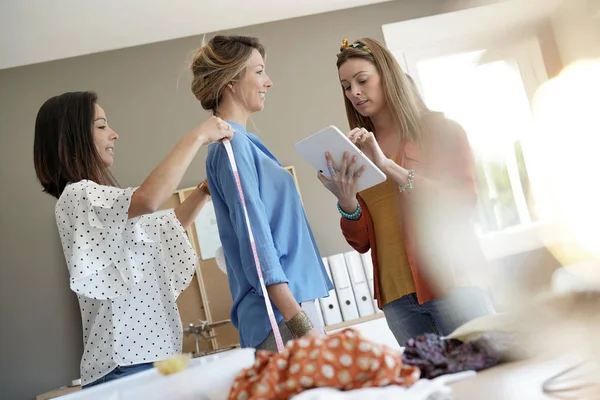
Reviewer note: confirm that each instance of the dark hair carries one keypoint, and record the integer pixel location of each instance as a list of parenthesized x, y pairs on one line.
[(63, 147), (219, 62)]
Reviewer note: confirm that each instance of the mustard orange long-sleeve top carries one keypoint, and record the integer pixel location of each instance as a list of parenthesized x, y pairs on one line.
[(440, 245)]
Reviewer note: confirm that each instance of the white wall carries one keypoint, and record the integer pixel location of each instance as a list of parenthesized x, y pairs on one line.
[(576, 26)]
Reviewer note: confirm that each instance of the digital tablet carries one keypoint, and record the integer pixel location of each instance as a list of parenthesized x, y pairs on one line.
[(332, 140)]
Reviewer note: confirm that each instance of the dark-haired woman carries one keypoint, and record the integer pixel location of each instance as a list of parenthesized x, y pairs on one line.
[(126, 266)]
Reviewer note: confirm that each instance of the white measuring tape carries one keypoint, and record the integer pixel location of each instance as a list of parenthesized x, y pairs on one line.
[(270, 312)]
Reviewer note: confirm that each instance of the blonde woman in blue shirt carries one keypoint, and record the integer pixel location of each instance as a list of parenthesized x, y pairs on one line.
[(230, 80)]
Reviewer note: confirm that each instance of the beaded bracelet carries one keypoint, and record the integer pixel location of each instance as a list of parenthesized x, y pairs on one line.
[(411, 179), (354, 216)]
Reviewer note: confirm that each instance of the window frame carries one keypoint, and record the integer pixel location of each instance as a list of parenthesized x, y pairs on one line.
[(509, 32)]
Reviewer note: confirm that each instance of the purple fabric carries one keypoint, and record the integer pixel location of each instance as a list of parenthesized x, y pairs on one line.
[(436, 357)]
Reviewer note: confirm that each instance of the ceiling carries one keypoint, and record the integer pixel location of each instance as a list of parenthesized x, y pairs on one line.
[(33, 31)]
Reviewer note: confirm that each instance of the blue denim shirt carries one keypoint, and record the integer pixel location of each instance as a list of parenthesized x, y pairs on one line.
[(284, 241)]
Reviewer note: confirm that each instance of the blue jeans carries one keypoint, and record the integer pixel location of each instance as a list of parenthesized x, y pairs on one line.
[(120, 372), (407, 319)]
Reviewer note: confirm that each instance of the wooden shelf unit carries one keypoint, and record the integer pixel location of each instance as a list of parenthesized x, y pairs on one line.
[(347, 324)]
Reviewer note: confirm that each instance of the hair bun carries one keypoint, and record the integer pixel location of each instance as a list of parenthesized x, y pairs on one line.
[(219, 62)]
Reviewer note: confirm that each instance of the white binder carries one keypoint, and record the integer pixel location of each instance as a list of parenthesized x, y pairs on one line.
[(360, 286), (321, 321), (343, 287), (368, 266), (330, 308)]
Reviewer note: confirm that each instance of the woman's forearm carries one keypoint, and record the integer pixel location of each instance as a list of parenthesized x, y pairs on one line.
[(284, 300), (165, 178), (395, 172), (461, 190), (189, 209), (400, 175)]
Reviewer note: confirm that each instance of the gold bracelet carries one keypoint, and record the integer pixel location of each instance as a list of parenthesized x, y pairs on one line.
[(203, 186), (300, 324)]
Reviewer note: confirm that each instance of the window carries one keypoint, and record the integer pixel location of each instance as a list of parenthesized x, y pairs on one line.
[(482, 68), (489, 100)]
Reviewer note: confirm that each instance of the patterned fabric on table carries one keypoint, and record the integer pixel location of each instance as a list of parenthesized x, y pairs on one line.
[(343, 360)]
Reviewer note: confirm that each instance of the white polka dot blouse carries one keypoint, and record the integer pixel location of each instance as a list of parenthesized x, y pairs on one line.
[(127, 274)]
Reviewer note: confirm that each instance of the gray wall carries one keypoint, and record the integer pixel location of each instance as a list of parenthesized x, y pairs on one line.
[(145, 92)]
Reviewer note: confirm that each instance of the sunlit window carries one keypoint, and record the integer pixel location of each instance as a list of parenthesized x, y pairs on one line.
[(489, 100)]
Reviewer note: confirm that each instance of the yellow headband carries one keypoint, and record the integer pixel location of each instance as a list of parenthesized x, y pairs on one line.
[(358, 46)]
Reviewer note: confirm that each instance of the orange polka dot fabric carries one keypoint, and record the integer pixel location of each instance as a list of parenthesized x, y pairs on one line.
[(343, 360)]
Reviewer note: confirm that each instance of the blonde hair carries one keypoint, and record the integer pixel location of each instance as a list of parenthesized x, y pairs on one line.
[(404, 102), (219, 62)]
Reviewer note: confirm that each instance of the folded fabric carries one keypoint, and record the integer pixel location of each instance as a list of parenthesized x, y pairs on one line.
[(436, 356), (343, 360)]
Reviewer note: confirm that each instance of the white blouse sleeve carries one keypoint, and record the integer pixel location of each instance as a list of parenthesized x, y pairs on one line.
[(106, 252), (180, 259), (97, 239)]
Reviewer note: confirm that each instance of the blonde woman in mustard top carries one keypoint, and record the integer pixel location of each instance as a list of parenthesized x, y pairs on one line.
[(425, 255)]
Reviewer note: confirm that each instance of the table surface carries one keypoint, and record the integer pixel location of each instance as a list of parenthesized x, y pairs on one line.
[(511, 381), (57, 393), (519, 380)]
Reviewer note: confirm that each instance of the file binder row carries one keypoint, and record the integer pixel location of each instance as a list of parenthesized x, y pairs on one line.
[(352, 296)]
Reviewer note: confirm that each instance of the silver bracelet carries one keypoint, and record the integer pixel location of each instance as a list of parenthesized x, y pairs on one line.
[(409, 184)]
